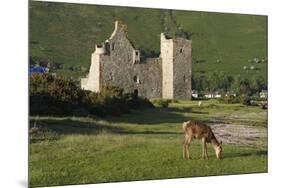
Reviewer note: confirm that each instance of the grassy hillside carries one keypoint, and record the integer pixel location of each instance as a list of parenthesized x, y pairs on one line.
[(66, 33)]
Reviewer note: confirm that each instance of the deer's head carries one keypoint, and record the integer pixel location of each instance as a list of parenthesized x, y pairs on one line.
[(218, 150)]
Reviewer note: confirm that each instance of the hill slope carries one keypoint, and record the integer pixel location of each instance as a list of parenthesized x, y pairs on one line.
[(66, 33)]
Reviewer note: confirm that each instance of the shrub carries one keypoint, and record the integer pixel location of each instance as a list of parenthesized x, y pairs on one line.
[(229, 99), (175, 101), (51, 95), (246, 100), (164, 103)]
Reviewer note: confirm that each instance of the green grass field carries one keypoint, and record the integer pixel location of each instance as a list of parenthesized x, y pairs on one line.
[(66, 33), (141, 145)]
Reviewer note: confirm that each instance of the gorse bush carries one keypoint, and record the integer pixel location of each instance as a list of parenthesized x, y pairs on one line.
[(51, 95)]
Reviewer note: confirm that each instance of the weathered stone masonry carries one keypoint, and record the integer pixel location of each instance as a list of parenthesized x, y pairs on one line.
[(117, 63)]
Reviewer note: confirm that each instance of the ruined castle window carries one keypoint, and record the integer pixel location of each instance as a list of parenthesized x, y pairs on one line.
[(136, 57), (112, 46), (181, 50), (184, 78), (107, 47), (136, 79)]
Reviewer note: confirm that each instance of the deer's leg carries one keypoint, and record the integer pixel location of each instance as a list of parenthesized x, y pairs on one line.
[(187, 147), (203, 148), (206, 152), (186, 144), (184, 149)]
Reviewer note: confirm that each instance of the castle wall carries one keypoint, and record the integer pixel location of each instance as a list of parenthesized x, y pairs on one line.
[(117, 67), (150, 72), (121, 67), (142, 77)]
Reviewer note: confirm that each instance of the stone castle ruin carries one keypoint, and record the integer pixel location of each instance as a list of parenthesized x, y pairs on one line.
[(117, 63)]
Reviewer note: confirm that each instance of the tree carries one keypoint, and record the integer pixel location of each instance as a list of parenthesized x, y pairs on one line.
[(200, 82), (242, 85), (258, 83)]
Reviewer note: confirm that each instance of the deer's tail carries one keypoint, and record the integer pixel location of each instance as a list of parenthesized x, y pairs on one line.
[(185, 125)]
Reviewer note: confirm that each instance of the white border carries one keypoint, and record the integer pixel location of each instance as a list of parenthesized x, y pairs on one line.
[(14, 114)]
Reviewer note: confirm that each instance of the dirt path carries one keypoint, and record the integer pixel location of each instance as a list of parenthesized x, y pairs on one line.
[(240, 134)]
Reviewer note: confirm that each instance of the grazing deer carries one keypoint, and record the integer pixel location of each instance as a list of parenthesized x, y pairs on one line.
[(201, 131)]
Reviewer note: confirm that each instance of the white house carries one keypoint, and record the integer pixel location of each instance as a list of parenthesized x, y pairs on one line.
[(230, 93), (213, 95), (194, 93), (263, 94)]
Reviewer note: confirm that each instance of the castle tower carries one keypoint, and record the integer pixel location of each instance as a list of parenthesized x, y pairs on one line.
[(176, 68)]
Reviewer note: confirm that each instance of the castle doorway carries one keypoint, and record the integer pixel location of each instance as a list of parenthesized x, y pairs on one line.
[(136, 92)]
